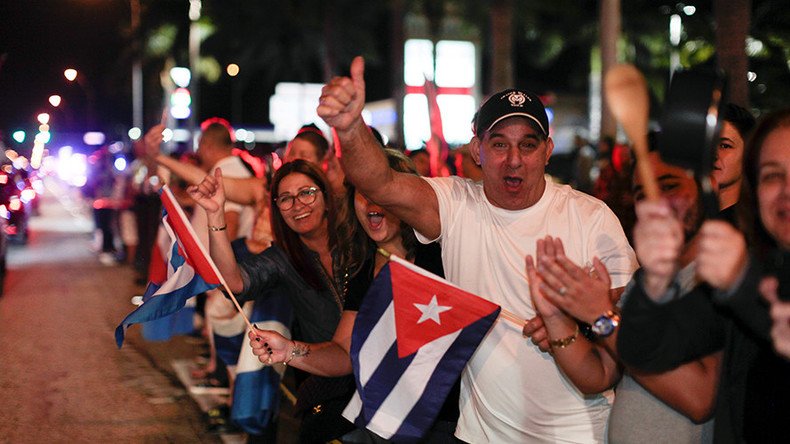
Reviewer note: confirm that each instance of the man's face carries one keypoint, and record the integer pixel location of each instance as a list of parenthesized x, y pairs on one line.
[(679, 188), (513, 156), (729, 155), (302, 149)]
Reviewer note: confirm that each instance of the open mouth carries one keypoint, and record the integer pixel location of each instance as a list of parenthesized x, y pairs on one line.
[(301, 216), (513, 182), (375, 219)]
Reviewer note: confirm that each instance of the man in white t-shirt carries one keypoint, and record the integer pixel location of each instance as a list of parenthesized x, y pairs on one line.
[(511, 391)]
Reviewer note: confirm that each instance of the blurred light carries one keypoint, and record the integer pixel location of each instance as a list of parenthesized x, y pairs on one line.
[(675, 26), (754, 46), (43, 137), (70, 74), (115, 148), (19, 136), (54, 100), (38, 186), (181, 76), (27, 195), (135, 133), (250, 137), (14, 203), (194, 10), (241, 134), (689, 9), (232, 70), (180, 100), (93, 138), (120, 164), (43, 127), (36, 155), (4, 212), (181, 135), (167, 135), (751, 76), (11, 154), (21, 163), (43, 118)]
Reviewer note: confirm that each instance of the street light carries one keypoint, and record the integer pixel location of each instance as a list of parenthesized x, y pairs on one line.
[(70, 74), (54, 100)]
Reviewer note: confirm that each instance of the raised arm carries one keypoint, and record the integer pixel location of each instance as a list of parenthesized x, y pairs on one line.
[(210, 195), (407, 196), (246, 191)]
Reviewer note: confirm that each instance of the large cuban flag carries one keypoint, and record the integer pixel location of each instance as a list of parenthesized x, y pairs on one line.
[(413, 335), (190, 270), (256, 391)]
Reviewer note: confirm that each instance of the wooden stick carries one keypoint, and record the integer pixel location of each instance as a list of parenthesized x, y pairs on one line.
[(626, 94)]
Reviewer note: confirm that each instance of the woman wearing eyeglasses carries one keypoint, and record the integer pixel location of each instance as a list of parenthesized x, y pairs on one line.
[(305, 261), (311, 261)]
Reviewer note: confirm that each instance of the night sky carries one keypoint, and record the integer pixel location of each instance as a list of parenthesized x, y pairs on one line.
[(41, 38)]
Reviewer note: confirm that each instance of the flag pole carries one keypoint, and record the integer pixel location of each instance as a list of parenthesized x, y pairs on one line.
[(505, 314), (211, 263)]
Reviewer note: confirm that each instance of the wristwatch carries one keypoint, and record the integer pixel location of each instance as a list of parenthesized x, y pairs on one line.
[(605, 324)]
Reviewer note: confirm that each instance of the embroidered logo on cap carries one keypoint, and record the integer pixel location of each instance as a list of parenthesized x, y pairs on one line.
[(517, 98)]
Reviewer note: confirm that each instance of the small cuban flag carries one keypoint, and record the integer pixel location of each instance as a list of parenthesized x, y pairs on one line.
[(190, 270), (412, 337)]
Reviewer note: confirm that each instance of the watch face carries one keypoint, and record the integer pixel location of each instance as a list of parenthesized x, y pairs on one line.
[(603, 326)]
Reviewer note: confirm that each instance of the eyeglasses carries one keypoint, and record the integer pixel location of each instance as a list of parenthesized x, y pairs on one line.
[(305, 196)]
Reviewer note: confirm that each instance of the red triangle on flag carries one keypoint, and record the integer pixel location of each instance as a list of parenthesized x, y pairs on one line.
[(416, 325), (188, 244)]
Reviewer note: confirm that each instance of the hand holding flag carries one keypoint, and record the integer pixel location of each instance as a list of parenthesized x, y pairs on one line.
[(190, 272)]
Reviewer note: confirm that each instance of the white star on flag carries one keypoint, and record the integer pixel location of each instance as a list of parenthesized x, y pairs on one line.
[(431, 311)]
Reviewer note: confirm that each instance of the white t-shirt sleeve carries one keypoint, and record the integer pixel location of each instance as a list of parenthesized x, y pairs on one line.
[(447, 189)]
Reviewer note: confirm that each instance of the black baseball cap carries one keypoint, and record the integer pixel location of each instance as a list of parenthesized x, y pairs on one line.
[(511, 103)]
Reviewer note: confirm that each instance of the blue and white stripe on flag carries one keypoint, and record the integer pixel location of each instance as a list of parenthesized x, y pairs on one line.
[(412, 337), (256, 391)]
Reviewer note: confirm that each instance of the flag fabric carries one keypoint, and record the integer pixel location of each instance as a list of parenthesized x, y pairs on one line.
[(256, 393), (412, 337), (189, 270), (182, 321), (437, 146)]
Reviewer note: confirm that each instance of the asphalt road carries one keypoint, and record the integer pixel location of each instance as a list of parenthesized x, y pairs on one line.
[(62, 378)]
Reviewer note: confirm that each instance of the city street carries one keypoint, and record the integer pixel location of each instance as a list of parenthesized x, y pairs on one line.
[(62, 378)]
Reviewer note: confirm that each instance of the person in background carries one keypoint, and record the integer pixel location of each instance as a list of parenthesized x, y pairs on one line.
[(659, 331), (308, 144), (728, 168), (422, 161)]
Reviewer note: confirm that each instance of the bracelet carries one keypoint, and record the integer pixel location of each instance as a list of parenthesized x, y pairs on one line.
[(222, 228), (297, 352), (564, 342)]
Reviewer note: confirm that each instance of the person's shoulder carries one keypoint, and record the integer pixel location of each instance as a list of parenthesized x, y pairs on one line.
[(577, 198)]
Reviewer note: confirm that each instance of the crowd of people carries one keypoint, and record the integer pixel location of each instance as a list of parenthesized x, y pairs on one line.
[(645, 320)]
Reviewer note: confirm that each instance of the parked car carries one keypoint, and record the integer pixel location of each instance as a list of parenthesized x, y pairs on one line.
[(17, 196)]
